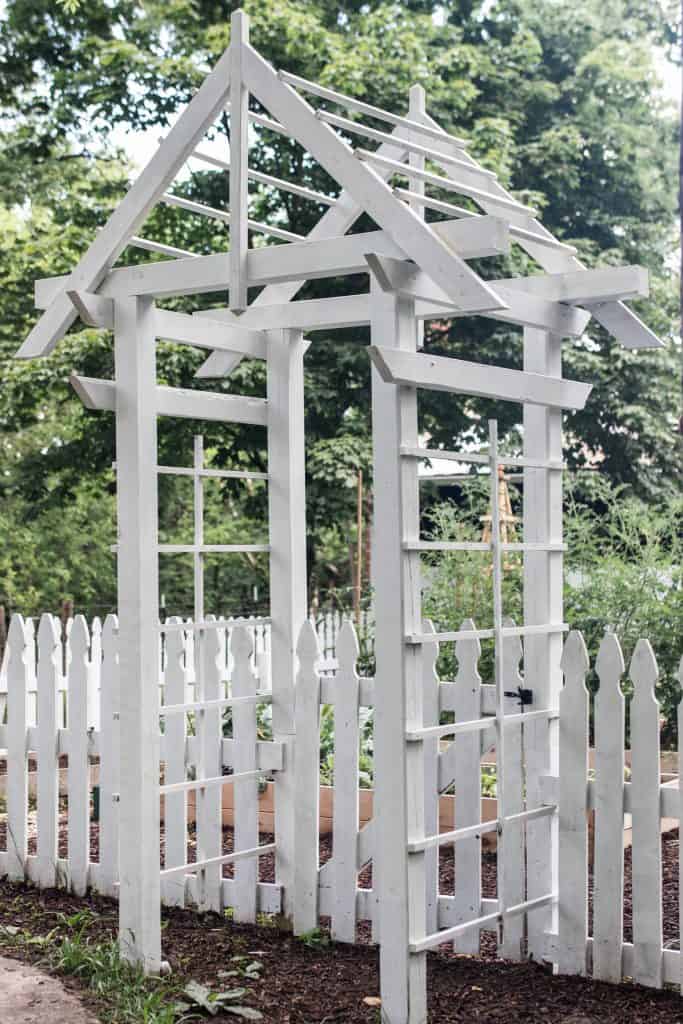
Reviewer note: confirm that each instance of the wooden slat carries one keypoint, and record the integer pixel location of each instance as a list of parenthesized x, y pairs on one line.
[(181, 402), (307, 782), (646, 857), (440, 373), (210, 655), (346, 782), (430, 716), (466, 705), (109, 753), (49, 669), (17, 764), (616, 317), (239, 161), (510, 779), (244, 731), (79, 768), (608, 859), (404, 226), (573, 840), (175, 729)]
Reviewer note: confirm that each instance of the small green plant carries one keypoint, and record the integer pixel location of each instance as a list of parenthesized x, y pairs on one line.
[(316, 938)]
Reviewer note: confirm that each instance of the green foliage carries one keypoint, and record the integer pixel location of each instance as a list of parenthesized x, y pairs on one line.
[(622, 572), (316, 938), (561, 101)]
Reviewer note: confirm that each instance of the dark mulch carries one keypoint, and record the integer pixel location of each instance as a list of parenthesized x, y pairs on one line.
[(304, 985), (328, 983)]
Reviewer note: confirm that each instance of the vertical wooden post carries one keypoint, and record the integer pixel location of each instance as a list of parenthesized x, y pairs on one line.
[(542, 604), (287, 532), (136, 458), (110, 759), (399, 767), (239, 155)]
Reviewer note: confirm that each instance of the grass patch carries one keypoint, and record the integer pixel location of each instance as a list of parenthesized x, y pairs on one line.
[(121, 993)]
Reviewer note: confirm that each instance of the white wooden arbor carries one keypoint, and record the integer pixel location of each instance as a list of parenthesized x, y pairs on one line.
[(418, 270)]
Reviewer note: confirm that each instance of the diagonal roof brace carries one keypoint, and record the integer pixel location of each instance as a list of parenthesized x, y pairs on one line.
[(467, 290)]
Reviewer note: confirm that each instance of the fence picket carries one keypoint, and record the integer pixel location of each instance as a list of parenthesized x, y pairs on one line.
[(573, 842), (244, 731), (307, 781), (175, 731), (608, 859), (345, 810), (109, 758), (511, 874), (78, 775), (467, 706), (209, 764), (32, 702), (645, 810), (18, 676), (94, 674), (47, 816), (430, 714)]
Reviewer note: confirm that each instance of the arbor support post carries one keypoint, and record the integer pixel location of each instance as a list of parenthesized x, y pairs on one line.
[(288, 590), (136, 459), (542, 604), (399, 767)]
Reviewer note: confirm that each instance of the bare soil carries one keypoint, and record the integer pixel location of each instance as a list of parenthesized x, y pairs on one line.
[(323, 982)]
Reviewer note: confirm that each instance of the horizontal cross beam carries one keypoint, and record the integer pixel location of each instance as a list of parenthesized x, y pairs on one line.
[(181, 402), (405, 278), (296, 261), (440, 373)]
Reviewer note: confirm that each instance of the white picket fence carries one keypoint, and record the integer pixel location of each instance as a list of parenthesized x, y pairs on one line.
[(51, 713)]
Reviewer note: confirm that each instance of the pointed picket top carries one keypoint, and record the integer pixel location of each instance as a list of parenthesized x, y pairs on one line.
[(430, 651), (16, 641), (643, 670), (513, 652), (241, 643), (79, 638), (609, 664), (307, 648), (212, 641), (347, 645), (574, 662), (468, 652), (48, 634), (175, 642), (110, 631)]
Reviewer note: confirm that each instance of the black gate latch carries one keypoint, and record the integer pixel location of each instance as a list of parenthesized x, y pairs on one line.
[(521, 694)]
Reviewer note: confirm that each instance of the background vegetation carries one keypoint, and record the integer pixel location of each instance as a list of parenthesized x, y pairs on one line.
[(562, 101)]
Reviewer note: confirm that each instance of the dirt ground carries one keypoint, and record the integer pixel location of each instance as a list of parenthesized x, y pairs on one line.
[(321, 982), (29, 996)]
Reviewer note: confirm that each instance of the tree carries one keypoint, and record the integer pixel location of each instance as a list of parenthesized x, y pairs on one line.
[(561, 102)]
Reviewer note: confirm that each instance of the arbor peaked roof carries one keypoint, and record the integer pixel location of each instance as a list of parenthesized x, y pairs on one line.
[(363, 178)]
